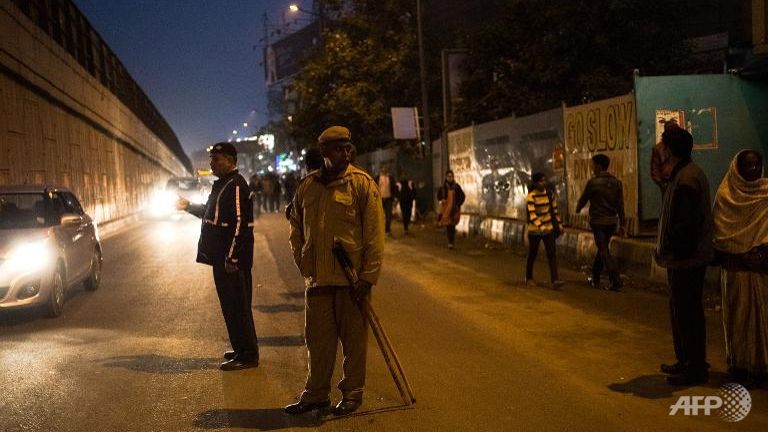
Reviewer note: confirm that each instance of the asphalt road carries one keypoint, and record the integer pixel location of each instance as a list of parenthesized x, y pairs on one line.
[(482, 352)]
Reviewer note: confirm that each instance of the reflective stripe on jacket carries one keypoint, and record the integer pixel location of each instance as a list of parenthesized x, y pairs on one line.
[(227, 223)]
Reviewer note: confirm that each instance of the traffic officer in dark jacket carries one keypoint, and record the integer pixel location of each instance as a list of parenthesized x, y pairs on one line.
[(226, 243), (605, 195)]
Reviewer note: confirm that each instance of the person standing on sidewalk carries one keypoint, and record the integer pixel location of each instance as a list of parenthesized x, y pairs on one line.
[(544, 225), (661, 166), (741, 241), (388, 190), (605, 196), (226, 243), (451, 197), (684, 248), (406, 196), (338, 202)]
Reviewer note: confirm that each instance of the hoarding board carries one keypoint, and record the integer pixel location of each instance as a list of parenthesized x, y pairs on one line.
[(723, 113), (607, 127)]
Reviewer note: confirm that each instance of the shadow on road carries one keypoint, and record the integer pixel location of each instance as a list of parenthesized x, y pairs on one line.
[(281, 341), (293, 295), (275, 418), (158, 364), (258, 419), (277, 308), (12, 318), (646, 386), (656, 387)]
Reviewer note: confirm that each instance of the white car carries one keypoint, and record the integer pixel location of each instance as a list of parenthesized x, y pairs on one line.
[(47, 244), (163, 204)]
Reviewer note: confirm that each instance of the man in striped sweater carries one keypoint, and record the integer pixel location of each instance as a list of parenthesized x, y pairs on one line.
[(544, 225)]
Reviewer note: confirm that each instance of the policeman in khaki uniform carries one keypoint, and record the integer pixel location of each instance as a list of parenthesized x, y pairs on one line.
[(338, 201)]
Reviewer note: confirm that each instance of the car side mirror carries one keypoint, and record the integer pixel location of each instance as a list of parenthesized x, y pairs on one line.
[(71, 219)]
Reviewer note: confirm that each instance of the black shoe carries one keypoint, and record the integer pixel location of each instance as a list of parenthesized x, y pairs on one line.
[(239, 364), (614, 288), (672, 369), (346, 406), (594, 282), (689, 378), (229, 355), (305, 407)]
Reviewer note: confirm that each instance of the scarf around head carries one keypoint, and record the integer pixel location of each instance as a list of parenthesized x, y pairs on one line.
[(740, 213)]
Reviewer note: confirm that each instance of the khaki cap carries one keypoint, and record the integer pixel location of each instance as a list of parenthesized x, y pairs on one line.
[(334, 133)]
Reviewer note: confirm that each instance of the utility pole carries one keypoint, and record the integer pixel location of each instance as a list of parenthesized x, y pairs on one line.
[(423, 76)]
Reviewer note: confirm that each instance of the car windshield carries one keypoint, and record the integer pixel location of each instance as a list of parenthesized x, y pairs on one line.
[(182, 184), (24, 210)]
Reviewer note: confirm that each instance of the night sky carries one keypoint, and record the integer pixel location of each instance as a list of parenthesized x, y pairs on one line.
[(193, 58)]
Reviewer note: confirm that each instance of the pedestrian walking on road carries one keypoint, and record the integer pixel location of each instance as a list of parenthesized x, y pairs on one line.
[(338, 202), (267, 192), (226, 243), (605, 196), (450, 197), (684, 248), (741, 242), (255, 186), (388, 190), (405, 197), (544, 225)]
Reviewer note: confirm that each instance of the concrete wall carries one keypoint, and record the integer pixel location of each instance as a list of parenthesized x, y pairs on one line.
[(60, 125)]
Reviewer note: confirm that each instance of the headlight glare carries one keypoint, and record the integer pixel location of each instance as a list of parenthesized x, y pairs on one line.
[(29, 256)]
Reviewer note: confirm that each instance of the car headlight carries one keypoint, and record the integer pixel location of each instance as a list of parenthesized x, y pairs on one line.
[(164, 202), (29, 256)]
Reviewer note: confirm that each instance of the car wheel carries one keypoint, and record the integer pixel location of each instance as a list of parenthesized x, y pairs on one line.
[(93, 280), (56, 298)]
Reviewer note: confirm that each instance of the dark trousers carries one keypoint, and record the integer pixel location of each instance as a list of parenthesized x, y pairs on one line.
[(406, 209), (235, 296), (451, 230), (387, 202), (603, 258), (689, 335), (533, 250)]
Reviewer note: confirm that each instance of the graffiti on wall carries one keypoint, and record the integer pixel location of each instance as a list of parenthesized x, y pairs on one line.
[(607, 127), (494, 161)]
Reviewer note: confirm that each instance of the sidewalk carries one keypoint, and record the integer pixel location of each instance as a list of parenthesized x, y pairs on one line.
[(577, 248)]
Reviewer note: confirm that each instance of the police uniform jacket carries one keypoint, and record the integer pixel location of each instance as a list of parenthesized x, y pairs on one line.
[(226, 233), (349, 209)]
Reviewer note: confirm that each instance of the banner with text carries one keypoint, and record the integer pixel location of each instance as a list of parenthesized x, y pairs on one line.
[(609, 127)]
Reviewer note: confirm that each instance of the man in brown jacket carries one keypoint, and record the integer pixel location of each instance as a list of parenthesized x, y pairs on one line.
[(337, 202)]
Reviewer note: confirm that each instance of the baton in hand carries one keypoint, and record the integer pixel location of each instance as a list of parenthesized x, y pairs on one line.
[(378, 331)]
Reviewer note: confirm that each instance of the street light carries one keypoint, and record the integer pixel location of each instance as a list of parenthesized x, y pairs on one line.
[(423, 79), (320, 18)]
